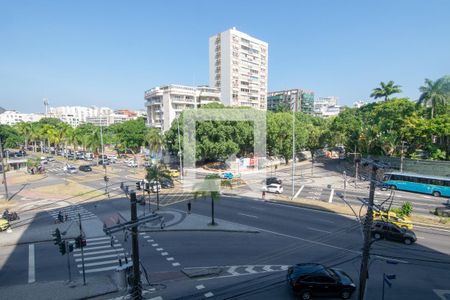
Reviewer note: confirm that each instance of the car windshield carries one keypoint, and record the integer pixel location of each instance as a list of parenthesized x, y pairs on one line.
[(332, 273)]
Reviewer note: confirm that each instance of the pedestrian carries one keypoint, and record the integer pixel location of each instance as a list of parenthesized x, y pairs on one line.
[(264, 195), (189, 205), (66, 217), (60, 217)]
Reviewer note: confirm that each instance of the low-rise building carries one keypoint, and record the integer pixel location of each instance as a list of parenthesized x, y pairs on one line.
[(165, 103), (12, 117)]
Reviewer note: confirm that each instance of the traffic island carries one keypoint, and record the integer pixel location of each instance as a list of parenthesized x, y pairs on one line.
[(95, 287)]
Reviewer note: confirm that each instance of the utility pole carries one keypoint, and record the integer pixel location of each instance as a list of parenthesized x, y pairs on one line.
[(356, 160), (103, 156), (136, 290), (68, 259), (82, 252), (401, 157), (179, 149), (345, 184), (3, 170), (293, 153), (364, 272)]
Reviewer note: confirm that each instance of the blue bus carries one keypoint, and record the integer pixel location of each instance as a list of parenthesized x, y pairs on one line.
[(437, 186)]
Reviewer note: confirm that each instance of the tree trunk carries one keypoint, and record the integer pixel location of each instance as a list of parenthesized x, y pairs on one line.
[(157, 197)]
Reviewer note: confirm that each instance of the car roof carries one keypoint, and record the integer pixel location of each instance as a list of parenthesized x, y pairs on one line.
[(308, 268)]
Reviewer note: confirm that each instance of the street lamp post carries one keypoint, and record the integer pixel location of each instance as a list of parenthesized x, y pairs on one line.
[(293, 153)]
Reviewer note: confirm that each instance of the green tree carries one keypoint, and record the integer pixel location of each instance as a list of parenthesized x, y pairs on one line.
[(209, 188), (155, 174), (385, 90), (154, 139)]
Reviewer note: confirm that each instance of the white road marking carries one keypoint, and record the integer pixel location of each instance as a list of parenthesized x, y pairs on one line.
[(99, 270), (101, 251), (209, 294), (442, 293), (175, 264), (200, 287), (159, 249), (155, 245), (232, 271), (249, 269), (319, 230), (31, 264), (106, 262), (87, 248), (251, 216), (169, 258), (154, 298), (101, 257), (267, 269), (164, 253)]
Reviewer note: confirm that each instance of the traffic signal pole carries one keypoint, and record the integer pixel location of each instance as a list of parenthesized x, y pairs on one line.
[(364, 272), (68, 259), (82, 252), (136, 290)]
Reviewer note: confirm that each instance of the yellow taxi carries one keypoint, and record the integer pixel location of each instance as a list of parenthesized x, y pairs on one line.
[(174, 173), (392, 217), (4, 224)]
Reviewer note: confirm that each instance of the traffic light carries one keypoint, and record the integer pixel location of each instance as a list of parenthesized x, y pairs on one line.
[(62, 248), (70, 248), (80, 242), (57, 235)]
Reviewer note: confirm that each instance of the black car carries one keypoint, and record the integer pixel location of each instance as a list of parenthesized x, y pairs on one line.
[(386, 230), (166, 184), (443, 211), (311, 279), (271, 180), (85, 168)]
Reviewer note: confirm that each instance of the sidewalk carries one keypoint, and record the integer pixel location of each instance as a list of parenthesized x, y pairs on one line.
[(96, 286)]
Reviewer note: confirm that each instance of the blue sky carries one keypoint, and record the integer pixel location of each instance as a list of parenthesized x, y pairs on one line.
[(107, 53)]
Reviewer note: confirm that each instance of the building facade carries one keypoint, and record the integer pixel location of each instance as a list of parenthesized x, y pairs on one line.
[(12, 117), (238, 67), (76, 115), (164, 104), (297, 100)]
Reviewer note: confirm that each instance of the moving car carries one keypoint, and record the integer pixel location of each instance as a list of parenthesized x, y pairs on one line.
[(50, 158), (174, 173), (392, 217), (227, 175), (132, 164), (273, 188), (70, 169), (311, 279), (4, 224), (85, 168), (166, 184), (44, 160), (271, 180), (389, 231)]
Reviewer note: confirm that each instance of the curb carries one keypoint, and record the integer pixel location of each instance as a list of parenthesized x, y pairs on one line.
[(200, 230), (284, 202)]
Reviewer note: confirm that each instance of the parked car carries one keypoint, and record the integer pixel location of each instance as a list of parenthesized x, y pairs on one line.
[(85, 168), (147, 164), (132, 164), (71, 156), (271, 180), (50, 158), (389, 231), (311, 279), (103, 162), (44, 160), (88, 156), (112, 158), (155, 186), (273, 188), (227, 175), (392, 217)]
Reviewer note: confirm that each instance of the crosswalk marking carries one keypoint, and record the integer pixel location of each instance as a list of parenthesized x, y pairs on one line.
[(99, 252), (100, 257), (72, 212)]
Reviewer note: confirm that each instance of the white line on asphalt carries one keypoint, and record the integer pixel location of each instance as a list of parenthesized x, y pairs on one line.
[(232, 270), (154, 298), (209, 294), (175, 264), (150, 241), (97, 239), (100, 257), (155, 245), (164, 253), (159, 249), (249, 269), (299, 191), (106, 262), (200, 287), (320, 230), (146, 236), (251, 216), (169, 258), (88, 248), (101, 251), (31, 265), (99, 270)]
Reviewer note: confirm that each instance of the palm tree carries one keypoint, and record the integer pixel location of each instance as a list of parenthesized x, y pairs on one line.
[(34, 134), (435, 93), (24, 129), (208, 188), (73, 138), (154, 139), (154, 174), (386, 90)]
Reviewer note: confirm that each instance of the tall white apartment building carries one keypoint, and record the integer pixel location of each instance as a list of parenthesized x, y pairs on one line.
[(12, 117), (238, 66), (166, 103)]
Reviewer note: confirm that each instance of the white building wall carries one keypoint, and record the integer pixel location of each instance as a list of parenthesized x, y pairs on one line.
[(11, 117)]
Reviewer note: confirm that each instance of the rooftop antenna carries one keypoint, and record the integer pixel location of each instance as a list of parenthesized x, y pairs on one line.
[(46, 106)]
